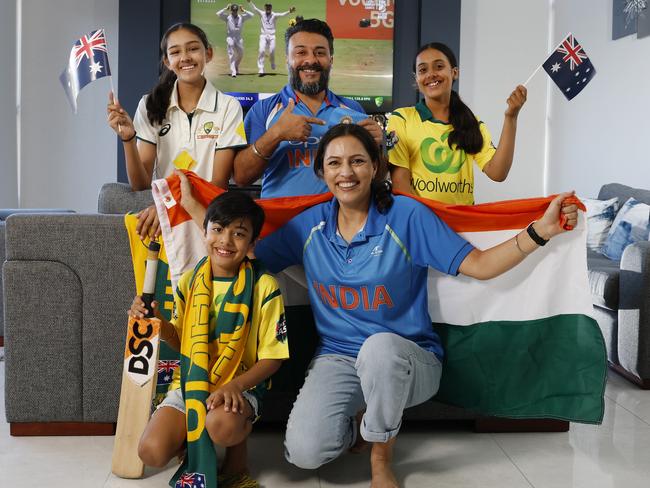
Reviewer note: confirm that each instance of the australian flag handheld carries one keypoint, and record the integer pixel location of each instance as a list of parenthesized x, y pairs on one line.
[(88, 62), (569, 67)]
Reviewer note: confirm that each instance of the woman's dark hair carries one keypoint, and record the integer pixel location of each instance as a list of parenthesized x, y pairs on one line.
[(466, 133), (158, 99), (233, 205), (380, 187), (314, 26)]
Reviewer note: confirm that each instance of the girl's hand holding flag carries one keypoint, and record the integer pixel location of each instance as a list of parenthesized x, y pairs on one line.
[(119, 120)]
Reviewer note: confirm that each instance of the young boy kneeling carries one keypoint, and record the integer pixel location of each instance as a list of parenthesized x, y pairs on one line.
[(246, 340)]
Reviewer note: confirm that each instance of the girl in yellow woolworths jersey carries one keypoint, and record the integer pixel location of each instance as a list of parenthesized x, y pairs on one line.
[(431, 145), (184, 122)]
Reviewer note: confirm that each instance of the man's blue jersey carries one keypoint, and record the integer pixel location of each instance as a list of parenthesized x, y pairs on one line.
[(377, 282), (290, 171)]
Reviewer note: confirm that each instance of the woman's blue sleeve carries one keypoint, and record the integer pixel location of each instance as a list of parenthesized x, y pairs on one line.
[(433, 243), (282, 248)]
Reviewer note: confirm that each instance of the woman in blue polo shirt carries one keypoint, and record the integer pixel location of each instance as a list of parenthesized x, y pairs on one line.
[(366, 256)]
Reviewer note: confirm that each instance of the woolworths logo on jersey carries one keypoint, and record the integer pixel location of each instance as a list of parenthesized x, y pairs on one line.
[(442, 159), (437, 186)]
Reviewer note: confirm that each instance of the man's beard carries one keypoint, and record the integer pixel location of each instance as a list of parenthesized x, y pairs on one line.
[(309, 88)]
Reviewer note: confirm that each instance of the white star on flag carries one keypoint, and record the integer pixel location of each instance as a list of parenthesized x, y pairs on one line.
[(555, 68), (95, 68)]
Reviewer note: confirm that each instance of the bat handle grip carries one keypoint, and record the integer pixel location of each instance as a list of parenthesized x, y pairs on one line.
[(149, 288), (148, 299)]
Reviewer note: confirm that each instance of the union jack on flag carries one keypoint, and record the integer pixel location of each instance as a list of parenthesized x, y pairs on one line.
[(166, 370), (88, 61), (87, 45), (190, 480), (569, 67), (573, 52)]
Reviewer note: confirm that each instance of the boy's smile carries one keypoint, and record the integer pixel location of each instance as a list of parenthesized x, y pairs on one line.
[(228, 245)]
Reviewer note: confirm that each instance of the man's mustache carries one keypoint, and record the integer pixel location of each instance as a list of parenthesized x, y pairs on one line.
[(314, 67)]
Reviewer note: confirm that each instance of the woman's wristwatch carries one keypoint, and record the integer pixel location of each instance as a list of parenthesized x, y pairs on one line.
[(539, 240)]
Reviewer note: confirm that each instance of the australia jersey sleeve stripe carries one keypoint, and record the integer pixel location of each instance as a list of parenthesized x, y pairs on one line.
[(271, 296), (180, 295), (236, 146), (145, 140)]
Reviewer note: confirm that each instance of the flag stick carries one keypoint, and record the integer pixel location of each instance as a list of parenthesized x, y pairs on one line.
[(119, 127), (531, 76)]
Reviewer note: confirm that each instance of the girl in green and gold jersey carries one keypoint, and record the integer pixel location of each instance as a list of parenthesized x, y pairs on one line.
[(431, 145)]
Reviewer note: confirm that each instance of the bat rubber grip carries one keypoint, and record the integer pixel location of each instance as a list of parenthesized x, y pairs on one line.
[(148, 299)]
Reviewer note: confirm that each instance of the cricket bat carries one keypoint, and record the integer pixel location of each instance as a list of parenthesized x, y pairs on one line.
[(139, 377)]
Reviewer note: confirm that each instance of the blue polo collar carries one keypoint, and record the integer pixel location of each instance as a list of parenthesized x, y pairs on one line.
[(288, 93), (375, 223)]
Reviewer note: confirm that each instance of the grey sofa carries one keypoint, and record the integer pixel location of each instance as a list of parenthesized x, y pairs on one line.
[(68, 284), (4, 213), (621, 297)]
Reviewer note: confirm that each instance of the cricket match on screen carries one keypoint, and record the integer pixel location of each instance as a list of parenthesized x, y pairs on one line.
[(249, 59)]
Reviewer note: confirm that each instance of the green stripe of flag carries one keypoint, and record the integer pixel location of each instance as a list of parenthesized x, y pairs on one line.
[(554, 367)]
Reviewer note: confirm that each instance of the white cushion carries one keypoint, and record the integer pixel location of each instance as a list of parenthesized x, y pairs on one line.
[(600, 215), (632, 224)]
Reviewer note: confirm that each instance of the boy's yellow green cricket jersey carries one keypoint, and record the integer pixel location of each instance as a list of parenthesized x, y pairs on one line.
[(438, 172), (268, 335)]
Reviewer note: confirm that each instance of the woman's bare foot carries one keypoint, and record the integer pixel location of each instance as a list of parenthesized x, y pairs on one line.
[(360, 445), (381, 458)]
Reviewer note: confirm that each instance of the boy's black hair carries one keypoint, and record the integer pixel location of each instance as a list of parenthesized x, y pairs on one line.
[(315, 26), (233, 205)]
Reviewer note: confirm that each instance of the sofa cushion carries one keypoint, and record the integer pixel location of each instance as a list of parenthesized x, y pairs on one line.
[(118, 198), (604, 275), (6, 212), (623, 193), (632, 224), (600, 215)]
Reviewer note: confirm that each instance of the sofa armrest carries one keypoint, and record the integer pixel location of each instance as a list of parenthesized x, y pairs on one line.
[(634, 310), (118, 198), (83, 261)]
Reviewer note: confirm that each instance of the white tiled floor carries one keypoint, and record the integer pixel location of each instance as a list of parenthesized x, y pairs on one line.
[(614, 454)]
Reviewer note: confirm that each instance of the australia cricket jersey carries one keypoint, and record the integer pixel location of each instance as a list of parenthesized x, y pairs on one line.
[(438, 172), (190, 143), (289, 171), (378, 281)]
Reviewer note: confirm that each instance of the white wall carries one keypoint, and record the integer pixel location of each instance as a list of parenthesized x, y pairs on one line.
[(65, 158), (501, 43), (602, 135), (8, 178)]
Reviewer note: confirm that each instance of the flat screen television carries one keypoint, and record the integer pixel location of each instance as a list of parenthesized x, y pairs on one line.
[(363, 48)]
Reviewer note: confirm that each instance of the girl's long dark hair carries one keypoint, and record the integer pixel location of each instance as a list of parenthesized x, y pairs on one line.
[(158, 99), (380, 188), (466, 133)]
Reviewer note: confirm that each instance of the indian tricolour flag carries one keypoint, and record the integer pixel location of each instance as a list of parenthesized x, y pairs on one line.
[(522, 345)]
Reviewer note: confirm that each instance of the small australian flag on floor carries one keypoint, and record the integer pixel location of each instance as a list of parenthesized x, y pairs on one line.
[(191, 480), (569, 67)]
